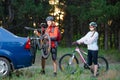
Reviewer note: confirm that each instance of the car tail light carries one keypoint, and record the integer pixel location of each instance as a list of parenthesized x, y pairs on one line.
[(27, 46)]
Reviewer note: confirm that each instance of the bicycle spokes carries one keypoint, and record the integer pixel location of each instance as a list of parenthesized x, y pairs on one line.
[(68, 64), (102, 65), (45, 45), (69, 68)]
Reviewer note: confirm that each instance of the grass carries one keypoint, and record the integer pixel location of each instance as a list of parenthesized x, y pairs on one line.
[(112, 55), (33, 72)]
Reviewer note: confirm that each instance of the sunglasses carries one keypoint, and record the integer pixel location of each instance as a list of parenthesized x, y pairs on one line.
[(91, 26)]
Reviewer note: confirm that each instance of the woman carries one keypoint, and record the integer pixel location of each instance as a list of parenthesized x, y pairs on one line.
[(90, 39)]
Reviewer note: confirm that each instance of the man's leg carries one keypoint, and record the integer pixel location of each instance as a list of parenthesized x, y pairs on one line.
[(54, 57), (43, 65), (55, 66)]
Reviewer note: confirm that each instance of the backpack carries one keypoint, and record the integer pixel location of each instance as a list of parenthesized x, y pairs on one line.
[(59, 36)]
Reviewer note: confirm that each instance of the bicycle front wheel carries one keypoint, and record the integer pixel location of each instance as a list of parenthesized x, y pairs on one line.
[(68, 63), (102, 65), (45, 45)]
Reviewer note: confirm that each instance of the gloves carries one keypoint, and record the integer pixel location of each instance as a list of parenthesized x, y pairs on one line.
[(36, 32), (74, 43)]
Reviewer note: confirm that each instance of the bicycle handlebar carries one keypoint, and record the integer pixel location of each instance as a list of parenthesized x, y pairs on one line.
[(29, 28), (77, 46), (75, 43), (37, 38)]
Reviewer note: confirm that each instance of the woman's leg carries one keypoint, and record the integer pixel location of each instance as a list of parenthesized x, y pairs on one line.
[(95, 61), (89, 59), (95, 70)]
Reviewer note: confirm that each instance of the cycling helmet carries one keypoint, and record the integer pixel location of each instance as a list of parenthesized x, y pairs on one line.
[(94, 24), (50, 18), (43, 25)]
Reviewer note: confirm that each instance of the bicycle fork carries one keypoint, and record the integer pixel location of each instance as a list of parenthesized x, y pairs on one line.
[(71, 59)]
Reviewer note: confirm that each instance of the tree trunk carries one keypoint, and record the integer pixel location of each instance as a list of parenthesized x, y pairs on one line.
[(111, 39), (106, 37), (116, 39), (119, 40), (11, 14), (8, 12), (69, 33)]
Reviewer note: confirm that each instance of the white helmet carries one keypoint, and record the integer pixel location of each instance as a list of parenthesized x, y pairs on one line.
[(94, 24)]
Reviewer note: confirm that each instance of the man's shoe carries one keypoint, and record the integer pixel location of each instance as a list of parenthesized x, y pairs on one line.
[(97, 74), (54, 74), (93, 76), (42, 72)]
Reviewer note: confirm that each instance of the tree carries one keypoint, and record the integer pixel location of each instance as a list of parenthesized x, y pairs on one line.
[(104, 12), (78, 14), (19, 13)]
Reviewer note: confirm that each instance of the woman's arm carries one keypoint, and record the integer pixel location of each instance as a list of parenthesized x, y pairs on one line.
[(82, 39)]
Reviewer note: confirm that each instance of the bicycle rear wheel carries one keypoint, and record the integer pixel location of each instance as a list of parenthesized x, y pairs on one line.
[(68, 63), (102, 65), (45, 45)]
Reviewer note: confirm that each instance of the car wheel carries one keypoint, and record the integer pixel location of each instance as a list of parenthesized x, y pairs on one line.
[(4, 67)]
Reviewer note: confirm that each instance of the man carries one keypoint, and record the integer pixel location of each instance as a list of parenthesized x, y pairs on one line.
[(52, 30)]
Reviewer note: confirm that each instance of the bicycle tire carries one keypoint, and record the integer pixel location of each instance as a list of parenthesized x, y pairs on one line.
[(65, 66), (103, 65), (45, 45)]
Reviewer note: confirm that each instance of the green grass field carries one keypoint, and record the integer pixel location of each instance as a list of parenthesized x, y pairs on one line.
[(33, 72)]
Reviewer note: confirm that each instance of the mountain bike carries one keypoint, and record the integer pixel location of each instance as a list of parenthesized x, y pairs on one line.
[(69, 62), (42, 43)]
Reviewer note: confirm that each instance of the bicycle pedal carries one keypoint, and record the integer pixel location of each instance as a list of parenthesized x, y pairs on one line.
[(86, 66)]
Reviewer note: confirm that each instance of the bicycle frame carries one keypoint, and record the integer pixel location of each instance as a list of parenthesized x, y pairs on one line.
[(80, 52), (81, 56), (42, 41)]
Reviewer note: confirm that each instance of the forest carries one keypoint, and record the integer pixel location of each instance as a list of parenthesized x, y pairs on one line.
[(73, 18)]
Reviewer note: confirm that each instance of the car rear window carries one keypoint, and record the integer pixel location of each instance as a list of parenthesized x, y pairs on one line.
[(5, 33)]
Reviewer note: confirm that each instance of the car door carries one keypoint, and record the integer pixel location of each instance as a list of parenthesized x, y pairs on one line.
[(0, 40)]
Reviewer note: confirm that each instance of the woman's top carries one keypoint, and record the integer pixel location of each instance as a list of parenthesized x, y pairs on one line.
[(90, 39)]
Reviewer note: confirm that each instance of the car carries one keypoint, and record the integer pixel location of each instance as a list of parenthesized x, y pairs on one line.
[(15, 52)]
